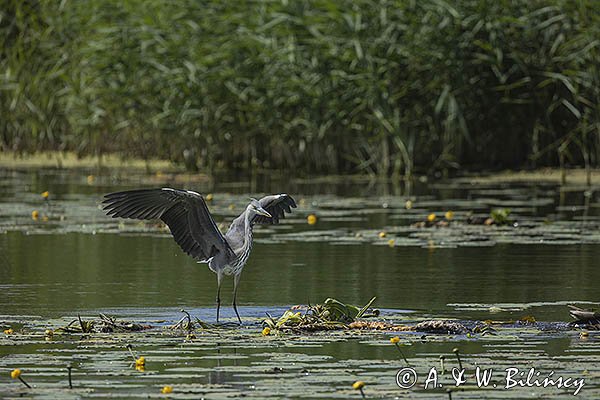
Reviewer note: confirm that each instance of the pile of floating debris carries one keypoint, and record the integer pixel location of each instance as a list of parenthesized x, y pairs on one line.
[(333, 315), (103, 324)]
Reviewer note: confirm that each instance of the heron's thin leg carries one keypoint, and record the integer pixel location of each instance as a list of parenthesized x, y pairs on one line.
[(236, 280), (219, 279)]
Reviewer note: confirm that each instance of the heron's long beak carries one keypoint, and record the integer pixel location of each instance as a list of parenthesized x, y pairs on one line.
[(263, 212)]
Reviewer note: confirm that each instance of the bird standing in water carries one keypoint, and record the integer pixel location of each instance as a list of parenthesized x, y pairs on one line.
[(187, 216)]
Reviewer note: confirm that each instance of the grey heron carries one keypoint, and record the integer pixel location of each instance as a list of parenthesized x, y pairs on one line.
[(186, 214)]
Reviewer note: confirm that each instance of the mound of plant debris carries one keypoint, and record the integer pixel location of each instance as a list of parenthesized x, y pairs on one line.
[(102, 324), (332, 314)]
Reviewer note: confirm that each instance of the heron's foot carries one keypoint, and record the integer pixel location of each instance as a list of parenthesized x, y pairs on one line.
[(237, 314)]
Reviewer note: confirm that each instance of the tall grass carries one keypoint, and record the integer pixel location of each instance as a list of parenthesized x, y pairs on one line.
[(372, 86)]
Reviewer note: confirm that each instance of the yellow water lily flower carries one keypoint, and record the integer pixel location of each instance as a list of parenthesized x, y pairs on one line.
[(140, 362), (584, 334), (209, 197), (395, 340), (382, 234), (311, 219), (45, 194), (266, 331), (35, 214), (358, 385), (449, 215), (90, 179), (8, 331), (408, 205), (391, 242), (16, 374), (431, 217), (167, 389)]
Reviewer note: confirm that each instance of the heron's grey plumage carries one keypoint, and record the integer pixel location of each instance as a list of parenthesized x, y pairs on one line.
[(276, 205), (186, 214)]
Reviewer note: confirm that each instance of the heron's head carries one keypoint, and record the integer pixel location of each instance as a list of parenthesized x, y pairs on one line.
[(255, 207)]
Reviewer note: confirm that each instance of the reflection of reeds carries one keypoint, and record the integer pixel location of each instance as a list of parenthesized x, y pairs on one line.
[(379, 87)]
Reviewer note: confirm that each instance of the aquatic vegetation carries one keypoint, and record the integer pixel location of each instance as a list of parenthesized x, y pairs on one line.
[(241, 357), (103, 323), (500, 216), (405, 104), (379, 326), (186, 323), (16, 374), (456, 351), (335, 315), (200, 359), (584, 334), (527, 320), (359, 385), (331, 314), (396, 342)]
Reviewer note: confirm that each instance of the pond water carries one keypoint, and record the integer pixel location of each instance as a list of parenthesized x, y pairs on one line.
[(79, 261)]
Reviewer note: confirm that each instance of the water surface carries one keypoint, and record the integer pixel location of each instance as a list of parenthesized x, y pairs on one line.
[(81, 262)]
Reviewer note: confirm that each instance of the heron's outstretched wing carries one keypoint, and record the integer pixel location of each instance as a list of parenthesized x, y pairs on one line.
[(184, 211), (276, 205)]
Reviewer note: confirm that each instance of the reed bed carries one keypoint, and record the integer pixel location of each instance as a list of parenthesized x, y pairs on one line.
[(370, 86)]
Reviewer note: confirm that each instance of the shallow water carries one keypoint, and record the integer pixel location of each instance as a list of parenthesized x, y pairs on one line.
[(81, 262)]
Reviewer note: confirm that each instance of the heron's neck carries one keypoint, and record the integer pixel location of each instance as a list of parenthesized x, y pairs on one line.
[(248, 230)]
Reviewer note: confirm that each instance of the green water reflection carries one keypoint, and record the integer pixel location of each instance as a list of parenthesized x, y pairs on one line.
[(54, 274)]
